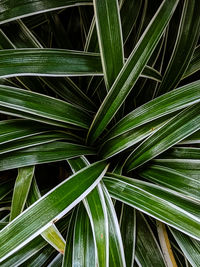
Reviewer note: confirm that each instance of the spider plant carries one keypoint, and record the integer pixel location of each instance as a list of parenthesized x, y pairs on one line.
[(99, 133)]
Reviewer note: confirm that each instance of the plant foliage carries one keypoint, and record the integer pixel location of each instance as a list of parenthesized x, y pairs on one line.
[(100, 133)]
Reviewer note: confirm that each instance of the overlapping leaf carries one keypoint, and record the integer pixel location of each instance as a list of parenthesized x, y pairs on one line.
[(42, 108), (131, 70), (50, 207), (166, 205), (11, 11), (176, 129)]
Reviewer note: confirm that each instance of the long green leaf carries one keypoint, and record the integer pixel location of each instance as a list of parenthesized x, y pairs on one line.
[(21, 37), (39, 107), (178, 128), (184, 159), (116, 250), (192, 139), (21, 190), (174, 180), (120, 143), (12, 11), (45, 153), (67, 259), (25, 253), (83, 243), (195, 174), (168, 103), (132, 69), (96, 209), (12, 130), (189, 246), (51, 234), (128, 232), (48, 62), (34, 141), (54, 62), (129, 13), (163, 204), (147, 252), (179, 164), (194, 65), (182, 153), (91, 41), (110, 38), (188, 34), (49, 208)]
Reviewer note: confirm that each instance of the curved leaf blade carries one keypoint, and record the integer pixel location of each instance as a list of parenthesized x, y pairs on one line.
[(173, 179), (128, 232), (131, 70), (163, 204), (51, 234), (96, 209), (39, 107), (35, 140), (147, 252), (83, 244), (48, 62), (189, 246), (116, 249), (168, 103), (194, 65), (188, 34), (120, 143), (110, 38), (49, 208), (12, 130), (12, 11), (21, 190), (50, 152), (175, 130)]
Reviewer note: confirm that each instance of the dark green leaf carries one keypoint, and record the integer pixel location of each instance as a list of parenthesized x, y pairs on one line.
[(110, 38), (116, 250), (163, 204), (147, 251), (35, 140), (175, 130), (42, 108), (158, 107), (11, 11), (83, 243), (49, 152), (48, 62), (173, 179), (120, 143), (188, 34), (128, 232), (49, 208), (96, 209), (21, 190), (132, 69), (189, 246), (194, 63)]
